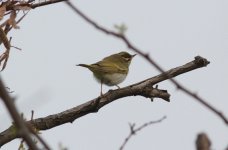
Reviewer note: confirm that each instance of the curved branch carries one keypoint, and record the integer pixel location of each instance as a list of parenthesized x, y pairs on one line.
[(143, 88)]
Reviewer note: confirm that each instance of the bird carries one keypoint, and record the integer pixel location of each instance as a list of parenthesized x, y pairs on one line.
[(111, 70)]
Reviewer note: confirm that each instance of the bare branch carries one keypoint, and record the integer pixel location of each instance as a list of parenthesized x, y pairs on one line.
[(149, 59), (133, 131), (46, 3), (143, 88)]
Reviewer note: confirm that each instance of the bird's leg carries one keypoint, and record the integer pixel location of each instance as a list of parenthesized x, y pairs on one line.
[(117, 86), (101, 88)]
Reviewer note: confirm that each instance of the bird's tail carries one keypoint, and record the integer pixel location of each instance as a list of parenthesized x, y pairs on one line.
[(84, 65)]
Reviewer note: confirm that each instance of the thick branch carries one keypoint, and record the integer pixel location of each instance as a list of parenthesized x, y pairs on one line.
[(143, 88)]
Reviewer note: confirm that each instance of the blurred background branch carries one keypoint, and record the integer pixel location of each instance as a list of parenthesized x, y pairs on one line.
[(21, 129), (203, 142), (134, 130)]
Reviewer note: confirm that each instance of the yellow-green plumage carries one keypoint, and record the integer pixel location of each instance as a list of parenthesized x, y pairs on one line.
[(112, 70)]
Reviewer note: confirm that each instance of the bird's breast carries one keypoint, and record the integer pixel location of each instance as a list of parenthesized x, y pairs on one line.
[(112, 79)]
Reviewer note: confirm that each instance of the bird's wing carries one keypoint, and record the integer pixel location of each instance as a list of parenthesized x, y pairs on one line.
[(104, 67)]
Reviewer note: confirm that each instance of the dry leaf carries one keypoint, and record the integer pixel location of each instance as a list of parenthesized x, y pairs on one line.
[(4, 57), (24, 8), (4, 39), (23, 5), (12, 20), (2, 11)]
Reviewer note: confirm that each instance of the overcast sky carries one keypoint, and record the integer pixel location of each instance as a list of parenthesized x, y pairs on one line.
[(53, 39)]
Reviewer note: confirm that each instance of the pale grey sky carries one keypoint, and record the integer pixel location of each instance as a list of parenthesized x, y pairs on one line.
[(54, 39)]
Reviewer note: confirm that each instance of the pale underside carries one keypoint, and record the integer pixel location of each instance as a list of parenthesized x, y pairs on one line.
[(111, 79)]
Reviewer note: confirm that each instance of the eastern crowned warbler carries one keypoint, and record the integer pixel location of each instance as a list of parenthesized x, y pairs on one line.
[(111, 70)]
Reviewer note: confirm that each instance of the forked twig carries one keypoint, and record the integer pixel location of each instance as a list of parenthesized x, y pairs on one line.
[(134, 130)]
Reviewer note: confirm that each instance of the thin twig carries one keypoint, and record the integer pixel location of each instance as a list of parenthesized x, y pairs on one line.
[(35, 132), (133, 131), (149, 59)]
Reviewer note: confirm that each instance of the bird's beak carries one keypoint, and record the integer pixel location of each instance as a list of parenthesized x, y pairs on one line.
[(133, 55)]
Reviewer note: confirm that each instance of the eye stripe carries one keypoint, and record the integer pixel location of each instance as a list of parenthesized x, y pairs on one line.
[(127, 59)]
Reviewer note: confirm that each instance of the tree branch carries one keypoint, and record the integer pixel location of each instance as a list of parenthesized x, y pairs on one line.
[(149, 59), (13, 4), (143, 88), (45, 3)]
